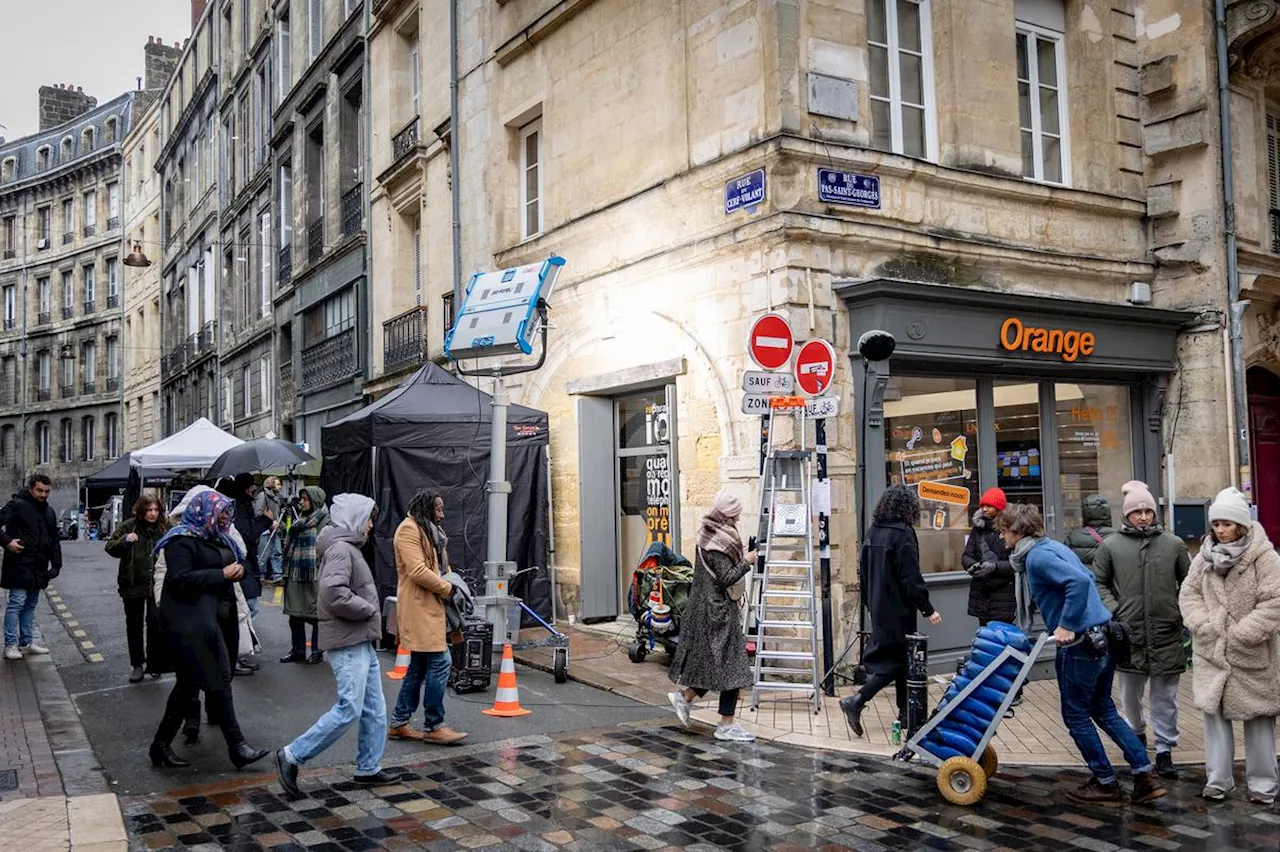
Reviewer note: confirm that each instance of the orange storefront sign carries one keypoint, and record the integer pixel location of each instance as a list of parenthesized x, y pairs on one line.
[(943, 493), (1068, 344)]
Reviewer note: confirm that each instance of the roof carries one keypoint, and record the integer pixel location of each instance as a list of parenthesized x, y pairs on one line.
[(25, 149)]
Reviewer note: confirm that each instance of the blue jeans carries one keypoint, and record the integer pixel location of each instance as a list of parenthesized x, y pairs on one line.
[(20, 617), (252, 604), (1084, 681), (429, 669), (359, 699), (269, 555)]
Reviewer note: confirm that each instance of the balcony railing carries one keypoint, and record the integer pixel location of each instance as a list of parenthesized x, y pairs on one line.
[(113, 222), (285, 393), (208, 338), (1275, 231), (404, 141), (42, 318), (89, 230), (10, 323), (67, 391), (315, 240), (404, 340), (352, 210), (90, 386), (43, 395), (88, 306), (164, 365), (68, 312), (113, 384), (330, 362), (285, 264), (113, 302), (68, 237), (178, 356)]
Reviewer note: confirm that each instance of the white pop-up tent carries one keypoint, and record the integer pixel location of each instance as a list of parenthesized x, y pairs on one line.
[(195, 447)]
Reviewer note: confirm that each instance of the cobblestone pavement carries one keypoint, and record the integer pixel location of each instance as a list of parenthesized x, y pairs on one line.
[(657, 787)]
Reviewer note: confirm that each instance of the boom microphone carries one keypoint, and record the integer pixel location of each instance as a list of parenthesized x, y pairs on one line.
[(876, 345)]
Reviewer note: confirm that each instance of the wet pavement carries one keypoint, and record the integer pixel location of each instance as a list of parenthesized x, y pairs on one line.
[(657, 786)]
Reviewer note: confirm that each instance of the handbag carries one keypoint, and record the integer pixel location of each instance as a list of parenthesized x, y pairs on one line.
[(736, 590)]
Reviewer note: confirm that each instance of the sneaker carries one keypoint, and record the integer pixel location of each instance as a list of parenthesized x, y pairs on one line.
[(1213, 794), (11, 652), (681, 705), (1165, 767), (33, 649), (377, 779), (405, 732), (1092, 792), (1147, 788), (734, 733), (1262, 799)]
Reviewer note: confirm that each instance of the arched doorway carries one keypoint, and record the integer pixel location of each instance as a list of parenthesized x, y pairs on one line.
[(1264, 440)]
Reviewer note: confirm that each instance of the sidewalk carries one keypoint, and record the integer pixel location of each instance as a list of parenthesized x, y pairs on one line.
[(1034, 736), (52, 794)]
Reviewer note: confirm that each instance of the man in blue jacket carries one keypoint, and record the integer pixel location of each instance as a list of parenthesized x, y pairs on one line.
[(1066, 595)]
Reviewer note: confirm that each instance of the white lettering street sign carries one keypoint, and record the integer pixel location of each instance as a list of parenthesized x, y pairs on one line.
[(767, 383), (755, 403), (823, 406)]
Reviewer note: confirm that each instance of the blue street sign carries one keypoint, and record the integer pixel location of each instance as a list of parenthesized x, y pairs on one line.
[(746, 191), (848, 188)]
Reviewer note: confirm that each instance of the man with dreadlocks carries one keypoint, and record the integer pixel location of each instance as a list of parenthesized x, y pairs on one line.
[(422, 558)]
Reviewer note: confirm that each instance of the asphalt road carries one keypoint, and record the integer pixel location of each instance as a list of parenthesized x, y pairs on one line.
[(273, 706)]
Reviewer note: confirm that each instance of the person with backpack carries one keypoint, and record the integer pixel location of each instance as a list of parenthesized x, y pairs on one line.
[(1095, 527)]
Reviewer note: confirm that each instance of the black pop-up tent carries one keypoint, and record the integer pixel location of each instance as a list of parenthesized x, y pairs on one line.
[(116, 475), (433, 432)]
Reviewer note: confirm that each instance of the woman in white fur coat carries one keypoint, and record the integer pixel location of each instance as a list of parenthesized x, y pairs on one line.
[(1230, 602)]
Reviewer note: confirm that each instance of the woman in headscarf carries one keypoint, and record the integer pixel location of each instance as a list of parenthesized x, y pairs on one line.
[(197, 610), (894, 591), (712, 653), (301, 579), (133, 543)]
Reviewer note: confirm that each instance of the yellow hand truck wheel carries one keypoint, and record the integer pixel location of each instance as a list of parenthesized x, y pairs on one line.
[(990, 762), (961, 781)]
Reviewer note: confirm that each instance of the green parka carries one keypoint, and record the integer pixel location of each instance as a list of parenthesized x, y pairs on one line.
[(1139, 574), (137, 564), (1096, 516)]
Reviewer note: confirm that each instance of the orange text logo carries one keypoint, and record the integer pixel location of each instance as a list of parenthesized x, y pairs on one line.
[(1070, 345)]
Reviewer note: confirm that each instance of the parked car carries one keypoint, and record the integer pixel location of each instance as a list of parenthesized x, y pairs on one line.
[(69, 524)]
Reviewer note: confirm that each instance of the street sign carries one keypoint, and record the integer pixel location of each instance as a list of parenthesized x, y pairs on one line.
[(756, 382), (744, 192), (770, 341), (823, 406), (816, 366), (755, 403), (835, 187)]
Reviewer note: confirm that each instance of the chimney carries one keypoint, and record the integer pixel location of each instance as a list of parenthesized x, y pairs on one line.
[(159, 63), (62, 103), (197, 9)]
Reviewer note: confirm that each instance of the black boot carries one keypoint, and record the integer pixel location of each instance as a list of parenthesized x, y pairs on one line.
[(191, 733), (294, 657), (162, 755), (852, 707), (1164, 765), (242, 754)]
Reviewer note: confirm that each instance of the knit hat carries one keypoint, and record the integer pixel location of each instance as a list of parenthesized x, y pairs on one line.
[(1231, 505), (994, 497), (729, 506), (1136, 497)]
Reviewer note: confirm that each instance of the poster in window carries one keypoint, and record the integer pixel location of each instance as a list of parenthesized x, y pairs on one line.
[(657, 494)]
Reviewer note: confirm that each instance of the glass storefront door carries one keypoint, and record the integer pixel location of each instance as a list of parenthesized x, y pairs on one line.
[(1095, 447), (646, 470)]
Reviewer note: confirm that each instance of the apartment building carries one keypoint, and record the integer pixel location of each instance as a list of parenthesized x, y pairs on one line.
[(960, 174), (61, 276)]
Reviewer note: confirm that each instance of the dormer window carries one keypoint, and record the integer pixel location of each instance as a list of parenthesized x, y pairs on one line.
[(43, 153), (109, 130), (67, 149), (86, 139), (8, 168)]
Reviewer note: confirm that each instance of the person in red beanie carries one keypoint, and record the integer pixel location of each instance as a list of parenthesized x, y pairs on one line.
[(992, 596)]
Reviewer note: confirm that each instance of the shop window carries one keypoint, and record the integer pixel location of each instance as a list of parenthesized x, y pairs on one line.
[(645, 464), (1095, 446), (931, 445), (1019, 450)]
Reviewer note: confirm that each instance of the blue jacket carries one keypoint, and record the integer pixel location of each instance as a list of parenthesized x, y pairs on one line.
[(1063, 589)]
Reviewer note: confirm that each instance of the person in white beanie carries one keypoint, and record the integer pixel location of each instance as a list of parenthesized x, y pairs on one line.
[(1231, 604), (1138, 572)]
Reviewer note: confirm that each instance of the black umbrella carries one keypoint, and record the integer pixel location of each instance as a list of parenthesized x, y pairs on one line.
[(257, 455)]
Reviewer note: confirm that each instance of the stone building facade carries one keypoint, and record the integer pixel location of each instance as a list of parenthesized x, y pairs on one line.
[(1057, 158), (61, 224)]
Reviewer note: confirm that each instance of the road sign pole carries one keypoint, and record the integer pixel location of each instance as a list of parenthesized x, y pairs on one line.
[(824, 558)]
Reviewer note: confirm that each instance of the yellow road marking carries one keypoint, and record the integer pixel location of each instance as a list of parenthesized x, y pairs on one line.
[(95, 658), (278, 597), (79, 634), (60, 607), (71, 623), (86, 644)]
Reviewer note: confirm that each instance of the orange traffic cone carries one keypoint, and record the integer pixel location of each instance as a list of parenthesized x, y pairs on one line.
[(507, 701), (402, 664)]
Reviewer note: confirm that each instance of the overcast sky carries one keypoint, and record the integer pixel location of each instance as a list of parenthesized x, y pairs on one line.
[(94, 44)]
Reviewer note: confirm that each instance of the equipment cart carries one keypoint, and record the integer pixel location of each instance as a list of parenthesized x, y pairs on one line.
[(957, 737)]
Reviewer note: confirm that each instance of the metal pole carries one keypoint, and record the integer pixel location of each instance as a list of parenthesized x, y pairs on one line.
[(824, 558), (499, 487), (860, 670), (455, 182), (917, 682)]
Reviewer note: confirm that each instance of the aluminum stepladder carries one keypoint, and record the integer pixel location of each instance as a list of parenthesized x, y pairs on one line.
[(783, 605)]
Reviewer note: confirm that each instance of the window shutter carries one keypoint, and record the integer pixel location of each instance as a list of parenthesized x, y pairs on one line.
[(1273, 161), (417, 263), (316, 23), (415, 67), (286, 206)]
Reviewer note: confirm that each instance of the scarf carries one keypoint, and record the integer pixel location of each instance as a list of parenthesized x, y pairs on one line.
[(1023, 612), (302, 561), (441, 543), (719, 532), (203, 519), (1223, 557)]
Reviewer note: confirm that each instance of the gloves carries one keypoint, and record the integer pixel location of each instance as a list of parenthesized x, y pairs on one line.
[(982, 570)]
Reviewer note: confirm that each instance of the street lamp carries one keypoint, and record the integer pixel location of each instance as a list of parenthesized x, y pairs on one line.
[(875, 347), (136, 257)]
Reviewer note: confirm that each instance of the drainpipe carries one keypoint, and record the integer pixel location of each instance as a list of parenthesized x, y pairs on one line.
[(1235, 307), (366, 89), (454, 134)]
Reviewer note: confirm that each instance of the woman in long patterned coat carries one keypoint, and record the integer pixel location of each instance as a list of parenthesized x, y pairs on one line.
[(301, 579)]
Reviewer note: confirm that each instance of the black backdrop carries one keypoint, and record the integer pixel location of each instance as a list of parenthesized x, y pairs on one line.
[(433, 432)]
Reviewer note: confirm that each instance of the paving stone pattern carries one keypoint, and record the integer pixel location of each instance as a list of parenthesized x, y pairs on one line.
[(666, 788), (24, 745)]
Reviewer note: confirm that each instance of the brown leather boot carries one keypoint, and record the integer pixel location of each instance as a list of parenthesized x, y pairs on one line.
[(444, 736), (1104, 795), (1146, 788), (405, 732)]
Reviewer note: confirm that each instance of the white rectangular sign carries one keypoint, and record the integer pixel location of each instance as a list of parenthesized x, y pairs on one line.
[(823, 406), (767, 383), (755, 403)]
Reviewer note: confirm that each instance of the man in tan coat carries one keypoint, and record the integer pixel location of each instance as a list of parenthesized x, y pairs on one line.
[(420, 596)]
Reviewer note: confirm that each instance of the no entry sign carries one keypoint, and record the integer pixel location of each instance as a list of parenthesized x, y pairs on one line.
[(815, 366), (770, 342)]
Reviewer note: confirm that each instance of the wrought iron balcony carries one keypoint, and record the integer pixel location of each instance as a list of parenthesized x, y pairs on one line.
[(164, 365), (68, 237), (88, 306), (1275, 231), (285, 391), (113, 222), (284, 264), (89, 230), (42, 318), (208, 338), (67, 391), (113, 302), (330, 362), (10, 323), (404, 141), (43, 395), (404, 340), (113, 384), (90, 386), (68, 312), (315, 240), (352, 210)]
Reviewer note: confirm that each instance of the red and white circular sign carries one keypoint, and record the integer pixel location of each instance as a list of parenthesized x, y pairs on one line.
[(770, 342), (816, 366)]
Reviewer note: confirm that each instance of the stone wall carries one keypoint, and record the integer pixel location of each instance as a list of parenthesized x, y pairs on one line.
[(61, 103)]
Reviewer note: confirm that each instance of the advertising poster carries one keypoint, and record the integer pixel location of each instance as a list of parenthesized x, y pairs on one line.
[(657, 495)]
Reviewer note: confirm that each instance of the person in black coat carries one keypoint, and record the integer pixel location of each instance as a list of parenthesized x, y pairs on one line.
[(992, 595), (893, 591), (251, 526), (32, 557), (197, 610)]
